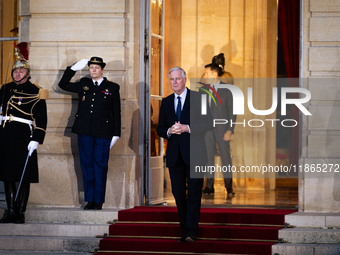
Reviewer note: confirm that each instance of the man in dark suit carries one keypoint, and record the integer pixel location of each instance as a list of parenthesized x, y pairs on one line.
[(221, 134), (97, 124), (181, 122)]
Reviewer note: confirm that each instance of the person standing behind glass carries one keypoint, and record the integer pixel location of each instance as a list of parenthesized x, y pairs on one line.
[(97, 123), (221, 134)]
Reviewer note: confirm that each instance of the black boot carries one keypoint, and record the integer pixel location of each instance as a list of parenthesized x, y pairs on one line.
[(22, 200), (10, 214)]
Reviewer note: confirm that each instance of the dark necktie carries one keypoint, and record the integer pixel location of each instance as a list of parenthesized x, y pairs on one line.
[(96, 84), (179, 108)]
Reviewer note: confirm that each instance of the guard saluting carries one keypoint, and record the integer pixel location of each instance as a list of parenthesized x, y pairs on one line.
[(97, 123), (23, 123)]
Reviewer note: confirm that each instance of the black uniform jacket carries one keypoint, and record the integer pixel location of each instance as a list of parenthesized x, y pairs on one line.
[(98, 112), (21, 101)]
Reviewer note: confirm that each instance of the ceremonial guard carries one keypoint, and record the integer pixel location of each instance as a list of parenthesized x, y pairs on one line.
[(23, 126), (97, 123)]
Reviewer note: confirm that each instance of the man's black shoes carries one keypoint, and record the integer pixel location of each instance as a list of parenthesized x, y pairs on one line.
[(93, 206), (182, 239), (20, 218), (98, 206), (230, 194), (89, 206), (9, 217), (189, 237), (208, 190)]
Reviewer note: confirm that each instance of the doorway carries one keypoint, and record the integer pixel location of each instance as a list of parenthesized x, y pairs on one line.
[(9, 30), (246, 32)]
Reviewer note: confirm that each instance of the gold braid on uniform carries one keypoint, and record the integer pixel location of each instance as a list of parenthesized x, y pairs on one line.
[(40, 129), (35, 98)]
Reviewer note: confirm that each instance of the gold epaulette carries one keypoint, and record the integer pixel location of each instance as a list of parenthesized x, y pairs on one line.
[(43, 93), (37, 85)]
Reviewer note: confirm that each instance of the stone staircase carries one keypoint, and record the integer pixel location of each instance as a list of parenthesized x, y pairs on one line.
[(312, 234), (55, 231), (73, 231)]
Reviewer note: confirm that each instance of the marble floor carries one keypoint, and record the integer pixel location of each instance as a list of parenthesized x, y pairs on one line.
[(280, 198)]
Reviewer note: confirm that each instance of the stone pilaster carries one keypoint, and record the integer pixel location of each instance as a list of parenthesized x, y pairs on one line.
[(321, 133), (61, 33)]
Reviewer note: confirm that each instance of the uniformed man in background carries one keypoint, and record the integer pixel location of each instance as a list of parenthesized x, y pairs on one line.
[(23, 126), (97, 124)]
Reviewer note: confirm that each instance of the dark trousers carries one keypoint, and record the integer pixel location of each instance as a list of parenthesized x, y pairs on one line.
[(94, 158), (224, 146), (188, 205)]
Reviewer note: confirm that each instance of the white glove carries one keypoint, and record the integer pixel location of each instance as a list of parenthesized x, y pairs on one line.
[(113, 141), (33, 145), (80, 64)]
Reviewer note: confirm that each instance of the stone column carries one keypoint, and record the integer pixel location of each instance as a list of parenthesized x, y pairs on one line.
[(321, 131), (61, 33)]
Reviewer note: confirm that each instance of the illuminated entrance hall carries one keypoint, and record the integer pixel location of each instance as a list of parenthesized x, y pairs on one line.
[(284, 196), (250, 41)]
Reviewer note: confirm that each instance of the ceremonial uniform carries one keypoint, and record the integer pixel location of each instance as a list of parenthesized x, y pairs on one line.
[(21, 105), (98, 108), (22, 127), (97, 121)]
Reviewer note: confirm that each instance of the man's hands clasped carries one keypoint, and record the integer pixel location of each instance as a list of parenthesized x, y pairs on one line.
[(178, 128)]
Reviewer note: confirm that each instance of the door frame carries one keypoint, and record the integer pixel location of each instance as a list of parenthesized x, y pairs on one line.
[(147, 163)]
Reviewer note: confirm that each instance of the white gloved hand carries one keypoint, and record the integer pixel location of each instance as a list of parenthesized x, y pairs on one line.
[(33, 145), (80, 64), (113, 141)]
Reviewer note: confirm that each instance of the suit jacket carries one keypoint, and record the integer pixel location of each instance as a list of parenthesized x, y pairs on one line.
[(98, 111), (224, 112), (191, 146)]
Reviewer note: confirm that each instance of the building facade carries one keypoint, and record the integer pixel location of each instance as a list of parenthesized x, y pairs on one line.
[(63, 32)]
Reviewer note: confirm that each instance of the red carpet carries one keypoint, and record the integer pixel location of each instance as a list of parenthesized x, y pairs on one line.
[(155, 230)]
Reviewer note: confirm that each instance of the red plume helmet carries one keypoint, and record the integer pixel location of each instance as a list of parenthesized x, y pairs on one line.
[(23, 49), (21, 53)]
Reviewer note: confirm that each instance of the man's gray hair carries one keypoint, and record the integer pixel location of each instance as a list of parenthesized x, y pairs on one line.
[(176, 69)]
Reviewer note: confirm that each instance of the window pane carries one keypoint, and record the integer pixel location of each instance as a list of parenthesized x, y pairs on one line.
[(156, 17), (155, 139), (156, 55)]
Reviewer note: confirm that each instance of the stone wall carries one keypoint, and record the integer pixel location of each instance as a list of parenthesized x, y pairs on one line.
[(61, 33), (321, 133)]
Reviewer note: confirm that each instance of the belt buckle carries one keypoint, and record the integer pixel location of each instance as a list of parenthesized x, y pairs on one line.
[(11, 117)]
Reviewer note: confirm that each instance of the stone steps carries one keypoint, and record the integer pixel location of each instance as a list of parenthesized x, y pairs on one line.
[(42, 243), (305, 249), (55, 231), (67, 215), (310, 236), (313, 220), (313, 234)]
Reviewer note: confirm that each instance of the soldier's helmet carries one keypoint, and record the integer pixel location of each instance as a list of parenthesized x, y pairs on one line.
[(21, 53)]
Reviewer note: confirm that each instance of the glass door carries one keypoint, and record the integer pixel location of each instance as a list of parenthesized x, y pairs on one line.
[(154, 65)]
